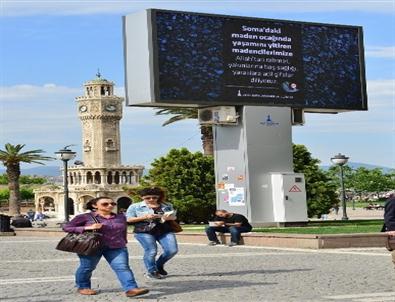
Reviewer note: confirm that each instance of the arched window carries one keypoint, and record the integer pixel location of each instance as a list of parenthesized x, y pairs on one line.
[(109, 177), (124, 178), (116, 178), (132, 178), (89, 178), (97, 178), (110, 143)]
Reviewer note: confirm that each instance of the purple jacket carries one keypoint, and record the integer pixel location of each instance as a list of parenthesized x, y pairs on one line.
[(114, 228)]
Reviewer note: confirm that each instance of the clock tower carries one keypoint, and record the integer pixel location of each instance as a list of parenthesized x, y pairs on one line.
[(101, 172), (100, 112)]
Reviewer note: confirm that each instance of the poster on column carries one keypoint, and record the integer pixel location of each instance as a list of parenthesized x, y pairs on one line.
[(236, 196)]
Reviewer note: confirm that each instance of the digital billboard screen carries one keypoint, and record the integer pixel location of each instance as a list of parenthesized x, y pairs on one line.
[(210, 60)]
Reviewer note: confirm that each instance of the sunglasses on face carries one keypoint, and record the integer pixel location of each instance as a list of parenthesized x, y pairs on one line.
[(150, 197), (106, 204)]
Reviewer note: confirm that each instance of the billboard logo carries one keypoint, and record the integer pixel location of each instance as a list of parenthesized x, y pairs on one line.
[(295, 188), (269, 122), (289, 87)]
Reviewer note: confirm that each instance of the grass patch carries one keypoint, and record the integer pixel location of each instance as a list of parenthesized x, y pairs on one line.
[(315, 227), (323, 229)]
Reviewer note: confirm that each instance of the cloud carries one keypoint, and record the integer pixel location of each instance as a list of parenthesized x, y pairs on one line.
[(45, 117), (33, 93), (381, 52), (50, 7), (381, 94)]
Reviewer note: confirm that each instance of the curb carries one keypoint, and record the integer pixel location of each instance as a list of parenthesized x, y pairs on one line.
[(305, 241)]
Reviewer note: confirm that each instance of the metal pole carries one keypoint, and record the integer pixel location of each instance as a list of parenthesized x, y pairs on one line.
[(66, 192), (343, 194)]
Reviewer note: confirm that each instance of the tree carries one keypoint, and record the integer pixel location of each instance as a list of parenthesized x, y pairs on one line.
[(11, 158), (24, 180), (189, 181), (372, 181), (320, 191), (206, 131)]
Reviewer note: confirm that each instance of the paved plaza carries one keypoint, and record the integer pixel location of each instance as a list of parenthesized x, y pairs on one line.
[(32, 270)]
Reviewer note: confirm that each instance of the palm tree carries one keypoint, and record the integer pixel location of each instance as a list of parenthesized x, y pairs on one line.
[(11, 158), (190, 113)]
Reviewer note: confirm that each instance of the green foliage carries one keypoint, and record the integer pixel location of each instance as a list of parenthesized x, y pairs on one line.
[(27, 194), (364, 180), (320, 191), (3, 179), (4, 195), (189, 181), (24, 180), (11, 157)]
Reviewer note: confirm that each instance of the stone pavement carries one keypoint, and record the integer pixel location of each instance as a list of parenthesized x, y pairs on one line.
[(31, 270), (358, 213)]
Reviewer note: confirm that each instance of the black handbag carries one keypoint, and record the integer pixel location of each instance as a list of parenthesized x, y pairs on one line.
[(87, 243), (390, 243)]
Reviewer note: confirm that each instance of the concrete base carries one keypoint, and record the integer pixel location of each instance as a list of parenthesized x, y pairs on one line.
[(307, 241)]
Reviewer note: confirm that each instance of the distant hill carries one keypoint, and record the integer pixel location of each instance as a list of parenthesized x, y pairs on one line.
[(55, 170), (362, 165), (40, 171)]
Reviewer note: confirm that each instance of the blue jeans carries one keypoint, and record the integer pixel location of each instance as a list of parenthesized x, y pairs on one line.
[(148, 242), (233, 230), (119, 262)]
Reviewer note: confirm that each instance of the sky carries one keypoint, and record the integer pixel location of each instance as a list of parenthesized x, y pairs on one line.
[(48, 49)]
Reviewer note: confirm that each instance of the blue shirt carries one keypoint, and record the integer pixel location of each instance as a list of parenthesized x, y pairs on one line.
[(141, 208), (113, 230)]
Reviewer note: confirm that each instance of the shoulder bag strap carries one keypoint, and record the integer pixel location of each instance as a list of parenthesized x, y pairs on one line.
[(94, 218)]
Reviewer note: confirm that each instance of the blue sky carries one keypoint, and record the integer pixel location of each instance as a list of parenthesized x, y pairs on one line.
[(48, 49)]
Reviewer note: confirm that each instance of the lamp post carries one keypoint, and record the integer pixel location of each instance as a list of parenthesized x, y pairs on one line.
[(65, 155), (341, 160)]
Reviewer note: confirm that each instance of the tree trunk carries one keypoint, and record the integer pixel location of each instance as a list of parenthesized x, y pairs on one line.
[(207, 139), (13, 173)]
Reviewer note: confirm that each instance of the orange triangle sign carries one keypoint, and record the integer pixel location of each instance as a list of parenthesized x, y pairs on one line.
[(295, 188)]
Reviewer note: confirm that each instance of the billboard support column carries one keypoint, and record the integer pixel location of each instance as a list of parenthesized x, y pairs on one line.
[(254, 167)]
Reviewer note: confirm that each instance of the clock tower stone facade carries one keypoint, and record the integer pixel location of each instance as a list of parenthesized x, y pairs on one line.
[(100, 112), (101, 172)]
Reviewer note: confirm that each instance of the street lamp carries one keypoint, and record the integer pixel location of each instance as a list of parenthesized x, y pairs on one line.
[(341, 160), (65, 155)]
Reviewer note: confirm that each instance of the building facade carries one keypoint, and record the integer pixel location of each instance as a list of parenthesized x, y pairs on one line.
[(101, 172)]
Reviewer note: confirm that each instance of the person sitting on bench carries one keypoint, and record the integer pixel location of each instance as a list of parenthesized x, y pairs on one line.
[(227, 222)]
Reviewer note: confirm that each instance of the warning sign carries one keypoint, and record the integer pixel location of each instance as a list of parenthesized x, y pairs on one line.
[(295, 188)]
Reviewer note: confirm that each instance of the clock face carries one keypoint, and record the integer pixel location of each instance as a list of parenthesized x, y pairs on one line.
[(111, 107), (83, 108)]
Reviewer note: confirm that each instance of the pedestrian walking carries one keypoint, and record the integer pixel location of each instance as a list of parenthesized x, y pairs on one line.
[(150, 219), (113, 228)]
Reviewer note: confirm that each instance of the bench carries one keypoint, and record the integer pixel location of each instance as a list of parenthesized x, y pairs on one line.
[(225, 237)]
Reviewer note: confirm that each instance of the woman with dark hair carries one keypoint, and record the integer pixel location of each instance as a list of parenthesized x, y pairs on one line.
[(150, 218), (113, 228)]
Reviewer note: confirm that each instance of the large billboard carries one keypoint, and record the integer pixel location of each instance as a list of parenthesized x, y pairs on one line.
[(175, 58)]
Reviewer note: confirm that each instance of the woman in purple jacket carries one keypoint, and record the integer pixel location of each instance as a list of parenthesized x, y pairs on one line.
[(113, 228)]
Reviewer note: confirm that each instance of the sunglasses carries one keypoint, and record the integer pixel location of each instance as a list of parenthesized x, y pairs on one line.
[(150, 197), (106, 204)]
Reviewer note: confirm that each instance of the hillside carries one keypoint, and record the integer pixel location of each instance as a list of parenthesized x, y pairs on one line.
[(55, 170)]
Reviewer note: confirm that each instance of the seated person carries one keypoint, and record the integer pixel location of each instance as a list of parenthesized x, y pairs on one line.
[(39, 216), (19, 221), (227, 222)]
